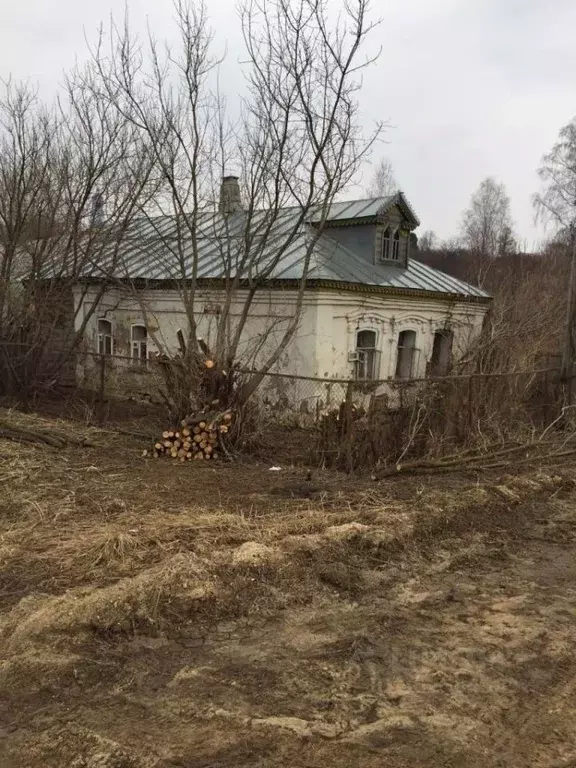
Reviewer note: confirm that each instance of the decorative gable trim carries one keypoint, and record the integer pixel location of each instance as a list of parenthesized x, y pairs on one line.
[(400, 200), (332, 223)]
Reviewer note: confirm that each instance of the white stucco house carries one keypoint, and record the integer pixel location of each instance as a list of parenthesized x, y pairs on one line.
[(371, 309)]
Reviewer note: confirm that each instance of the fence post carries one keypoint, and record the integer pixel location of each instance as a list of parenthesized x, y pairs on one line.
[(470, 401), (346, 428), (101, 388)]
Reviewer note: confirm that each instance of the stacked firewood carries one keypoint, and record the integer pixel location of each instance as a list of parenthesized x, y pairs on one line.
[(199, 438)]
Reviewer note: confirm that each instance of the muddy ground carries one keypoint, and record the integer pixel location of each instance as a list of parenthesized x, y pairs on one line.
[(157, 615)]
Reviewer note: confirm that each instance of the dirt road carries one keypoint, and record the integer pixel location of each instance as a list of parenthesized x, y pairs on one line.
[(408, 624)]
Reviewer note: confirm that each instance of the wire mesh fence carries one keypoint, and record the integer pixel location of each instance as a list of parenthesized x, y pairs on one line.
[(351, 422), (354, 424), (347, 423), (308, 399)]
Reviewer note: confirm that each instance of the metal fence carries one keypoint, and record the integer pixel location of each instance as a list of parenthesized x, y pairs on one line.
[(341, 422), (306, 400)]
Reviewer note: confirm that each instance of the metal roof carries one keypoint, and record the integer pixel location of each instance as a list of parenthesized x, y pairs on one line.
[(160, 248), (370, 208), (334, 262)]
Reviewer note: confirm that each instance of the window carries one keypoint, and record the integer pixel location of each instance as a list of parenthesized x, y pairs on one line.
[(386, 244), (105, 339), (405, 362), (396, 245), (441, 353), (390, 245), (139, 343), (367, 356)]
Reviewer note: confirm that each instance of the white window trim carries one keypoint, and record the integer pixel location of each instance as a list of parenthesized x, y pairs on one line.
[(136, 344), (377, 352), (390, 245), (101, 336), (396, 245), (386, 243), (415, 360)]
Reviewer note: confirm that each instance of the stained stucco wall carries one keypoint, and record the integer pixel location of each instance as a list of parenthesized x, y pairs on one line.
[(326, 334), (341, 315), (163, 314)]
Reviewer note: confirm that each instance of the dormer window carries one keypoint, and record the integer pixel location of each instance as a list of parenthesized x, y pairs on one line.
[(387, 245), (390, 244), (396, 245)]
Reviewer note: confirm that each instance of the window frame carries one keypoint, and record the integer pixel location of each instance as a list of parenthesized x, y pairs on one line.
[(390, 246), (103, 337), (368, 362), (396, 245), (139, 345), (386, 243), (414, 351), (441, 366)]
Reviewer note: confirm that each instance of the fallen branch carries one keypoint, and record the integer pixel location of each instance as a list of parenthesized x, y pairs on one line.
[(478, 462), (24, 435)]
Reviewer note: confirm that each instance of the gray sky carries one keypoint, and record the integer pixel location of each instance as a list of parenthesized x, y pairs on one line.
[(470, 88)]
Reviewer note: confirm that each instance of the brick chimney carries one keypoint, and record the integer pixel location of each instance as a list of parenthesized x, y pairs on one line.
[(230, 200)]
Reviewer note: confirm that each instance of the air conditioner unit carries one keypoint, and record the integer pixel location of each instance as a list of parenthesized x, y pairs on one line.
[(353, 357)]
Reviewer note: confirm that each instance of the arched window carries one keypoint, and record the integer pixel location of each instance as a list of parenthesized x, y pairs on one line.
[(406, 357), (396, 245), (105, 338), (139, 343), (386, 245), (441, 353), (367, 355)]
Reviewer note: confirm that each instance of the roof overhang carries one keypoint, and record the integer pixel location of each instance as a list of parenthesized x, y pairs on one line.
[(335, 285)]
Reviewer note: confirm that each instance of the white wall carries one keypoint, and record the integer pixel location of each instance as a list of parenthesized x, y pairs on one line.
[(326, 334), (162, 311), (343, 314)]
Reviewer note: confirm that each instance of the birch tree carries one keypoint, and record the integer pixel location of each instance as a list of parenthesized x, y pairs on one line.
[(556, 201), (556, 204), (487, 229), (383, 182)]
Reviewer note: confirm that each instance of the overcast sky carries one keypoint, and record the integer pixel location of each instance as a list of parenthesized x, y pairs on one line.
[(470, 88)]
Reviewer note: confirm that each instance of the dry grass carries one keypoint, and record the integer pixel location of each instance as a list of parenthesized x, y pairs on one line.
[(139, 597)]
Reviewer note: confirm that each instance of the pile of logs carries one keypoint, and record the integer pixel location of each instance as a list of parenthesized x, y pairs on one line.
[(199, 438)]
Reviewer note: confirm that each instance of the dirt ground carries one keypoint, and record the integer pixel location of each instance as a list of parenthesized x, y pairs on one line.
[(154, 614)]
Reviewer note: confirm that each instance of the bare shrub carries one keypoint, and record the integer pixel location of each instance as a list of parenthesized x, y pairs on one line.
[(440, 417)]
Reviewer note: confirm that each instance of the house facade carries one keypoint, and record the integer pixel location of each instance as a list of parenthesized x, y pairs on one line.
[(371, 311)]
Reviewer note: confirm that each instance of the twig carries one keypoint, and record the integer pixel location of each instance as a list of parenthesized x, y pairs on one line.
[(557, 419)]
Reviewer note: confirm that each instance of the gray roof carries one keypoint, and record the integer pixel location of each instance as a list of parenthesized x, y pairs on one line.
[(371, 207), (334, 262), (156, 248)]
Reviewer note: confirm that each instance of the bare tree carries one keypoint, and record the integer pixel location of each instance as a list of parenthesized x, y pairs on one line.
[(53, 161), (487, 225), (556, 203), (557, 200), (383, 182), (427, 241), (295, 148)]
